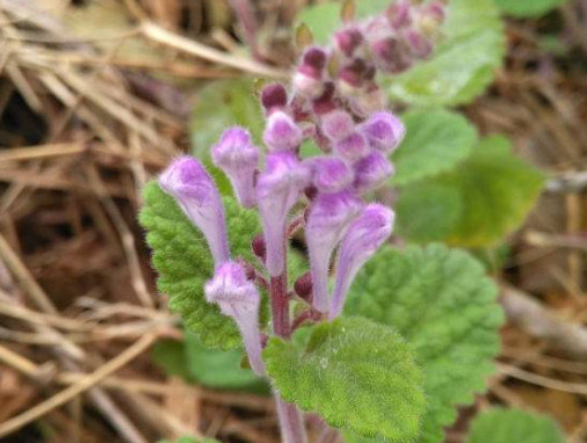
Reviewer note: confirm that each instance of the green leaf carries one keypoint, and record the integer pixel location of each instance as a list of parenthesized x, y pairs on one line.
[(442, 303), (190, 440), (222, 104), (464, 62), (170, 356), (184, 264), (436, 141), (357, 374), (528, 8), (514, 425), (484, 199)]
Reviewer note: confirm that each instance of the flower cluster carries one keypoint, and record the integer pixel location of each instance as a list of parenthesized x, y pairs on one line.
[(335, 103)]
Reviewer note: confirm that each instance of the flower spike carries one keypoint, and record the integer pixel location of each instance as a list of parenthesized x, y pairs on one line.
[(188, 182), (238, 298), (279, 188), (236, 155), (329, 216), (366, 234)]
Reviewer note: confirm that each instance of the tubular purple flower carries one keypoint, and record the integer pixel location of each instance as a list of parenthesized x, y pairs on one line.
[(236, 155), (279, 188), (282, 133), (371, 172), (330, 174), (362, 239), (327, 221), (384, 131), (238, 298), (188, 182), (352, 148)]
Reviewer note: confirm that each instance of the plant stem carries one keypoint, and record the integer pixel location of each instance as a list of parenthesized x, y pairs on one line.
[(291, 421)]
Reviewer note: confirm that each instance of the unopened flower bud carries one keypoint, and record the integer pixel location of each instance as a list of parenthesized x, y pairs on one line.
[(188, 182), (329, 216), (238, 298), (274, 97), (352, 148), (391, 55), (372, 99), (384, 131), (348, 40), (308, 78), (327, 102), (259, 247), (337, 125), (399, 14), (282, 133), (236, 155), (330, 174), (279, 188), (362, 239), (372, 171), (303, 287), (420, 46)]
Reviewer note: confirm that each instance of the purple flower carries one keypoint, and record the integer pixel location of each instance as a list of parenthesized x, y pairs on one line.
[(391, 54), (236, 155), (282, 133), (279, 188), (308, 79), (330, 174), (384, 131), (329, 217), (188, 182), (362, 239), (371, 172), (238, 298), (352, 148), (337, 125), (348, 41), (274, 97)]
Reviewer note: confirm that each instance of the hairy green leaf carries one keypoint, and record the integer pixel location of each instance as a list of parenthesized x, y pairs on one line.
[(222, 104), (184, 264), (357, 374), (442, 303), (190, 440), (436, 141), (484, 199), (514, 425), (528, 8)]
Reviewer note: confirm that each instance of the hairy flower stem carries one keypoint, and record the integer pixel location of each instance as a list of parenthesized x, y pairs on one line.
[(291, 421)]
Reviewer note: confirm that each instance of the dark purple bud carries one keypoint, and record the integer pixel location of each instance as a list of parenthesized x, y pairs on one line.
[(384, 131), (303, 287), (188, 182), (352, 148), (308, 79), (348, 40), (371, 172), (326, 102), (259, 247), (282, 133), (337, 125), (236, 155), (330, 174), (353, 76), (399, 14), (420, 46), (274, 97), (391, 55)]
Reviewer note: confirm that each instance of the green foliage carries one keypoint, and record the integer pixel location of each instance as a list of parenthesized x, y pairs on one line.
[(213, 368), (222, 104), (485, 198), (514, 425), (442, 303), (436, 141), (184, 264), (357, 374), (191, 440), (463, 64), (528, 8)]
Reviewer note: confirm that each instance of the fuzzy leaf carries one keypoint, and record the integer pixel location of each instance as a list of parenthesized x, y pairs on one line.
[(528, 8), (357, 374), (442, 303), (436, 141), (484, 199), (184, 264), (190, 440), (514, 425)]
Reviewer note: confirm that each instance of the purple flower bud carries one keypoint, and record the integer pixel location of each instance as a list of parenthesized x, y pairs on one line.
[(188, 182), (308, 78), (371, 172), (279, 188), (274, 97), (399, 14), (353, 76), (282, 133), (391, 55), (330, 174), (371, 99), (326, 102), (337, 125), (352, 148), (329, 216), (384, 131), (420, 46), (362, 239), (348, 40), (236, 155), (238, 298)]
